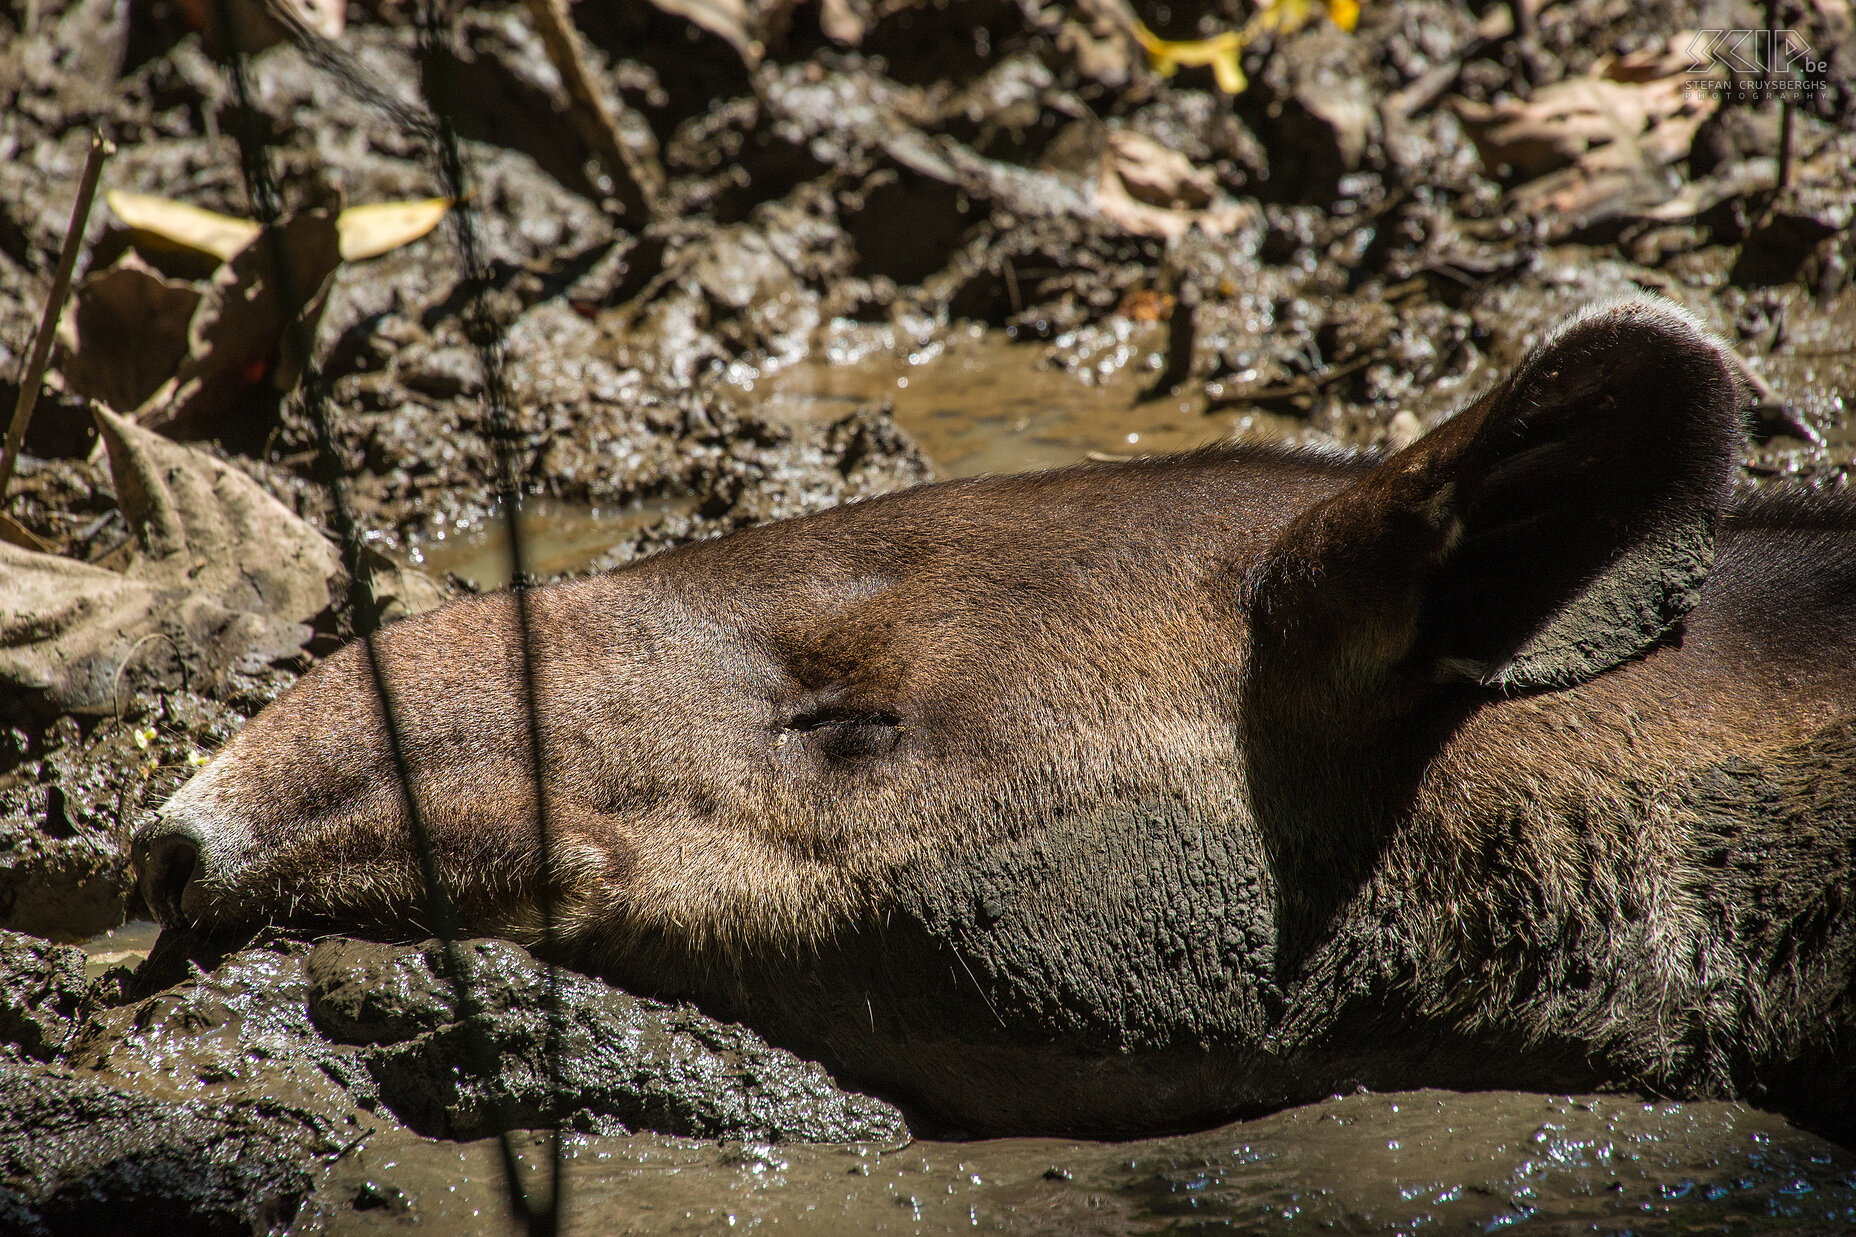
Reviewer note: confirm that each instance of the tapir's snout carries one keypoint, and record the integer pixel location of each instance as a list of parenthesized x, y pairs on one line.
[(189, 848), (166, 856)]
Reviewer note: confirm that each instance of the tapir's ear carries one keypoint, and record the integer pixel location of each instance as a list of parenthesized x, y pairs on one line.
[(1562, 524)]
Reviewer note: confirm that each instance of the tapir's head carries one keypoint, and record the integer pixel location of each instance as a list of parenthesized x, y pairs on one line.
[(763, 738)]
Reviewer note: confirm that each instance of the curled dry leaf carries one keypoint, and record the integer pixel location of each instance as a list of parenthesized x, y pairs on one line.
[(239, 336), (220, 573), (1595, 146), (1632, 111), (728, 20), (1148, 190), (844, 22), (126, 333)]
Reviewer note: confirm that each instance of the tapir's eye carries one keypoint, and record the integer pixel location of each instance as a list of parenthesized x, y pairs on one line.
[(844, 734)]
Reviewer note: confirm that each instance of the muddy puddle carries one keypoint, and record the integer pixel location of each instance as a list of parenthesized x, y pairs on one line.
[(976, 402), (125, 945), (980, 402), (561, 537), (1426, 1161)]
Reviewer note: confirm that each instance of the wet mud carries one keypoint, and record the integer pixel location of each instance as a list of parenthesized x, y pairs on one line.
[(333, 1072), (891, 242), (1399, 1163)]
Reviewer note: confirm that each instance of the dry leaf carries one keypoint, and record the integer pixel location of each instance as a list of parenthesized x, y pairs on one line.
[(1594, 147), (14, 533), (366, 231), (1158, 175), (168, 223), (221, 572), (380, 227), (1223, 53), (236, 342), (261, 23), (1628, 113), (1149, 190), (1146, 305), (125, 334)]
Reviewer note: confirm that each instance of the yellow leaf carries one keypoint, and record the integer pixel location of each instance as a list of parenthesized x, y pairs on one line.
[(181, 225), (1221, 53), (1288, 16), (371, 230), (1228, 72)]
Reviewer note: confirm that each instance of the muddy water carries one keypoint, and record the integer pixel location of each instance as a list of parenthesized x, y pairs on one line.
[(982, 403), (1426, 1161), (125, 945), (976, 402), (559, 536)]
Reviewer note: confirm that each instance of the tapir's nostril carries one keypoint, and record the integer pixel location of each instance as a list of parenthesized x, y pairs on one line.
[(169, 863)]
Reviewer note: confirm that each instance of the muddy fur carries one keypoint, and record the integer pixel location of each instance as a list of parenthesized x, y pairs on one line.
[(1126, 797)]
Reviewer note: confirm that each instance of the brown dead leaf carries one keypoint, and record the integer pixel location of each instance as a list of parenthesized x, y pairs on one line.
[(237, 340), (1146, 305), (262, 23), (220, 572), (14, 533), (1594, 147), (844, 22), (1157, 175), (125, 334), (1638, 111), (1148, 190)]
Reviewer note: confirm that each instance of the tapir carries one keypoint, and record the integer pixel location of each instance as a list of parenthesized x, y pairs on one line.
[(1135, 796)]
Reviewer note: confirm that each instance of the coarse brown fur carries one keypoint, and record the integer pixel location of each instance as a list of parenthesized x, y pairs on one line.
[(1125, 797)]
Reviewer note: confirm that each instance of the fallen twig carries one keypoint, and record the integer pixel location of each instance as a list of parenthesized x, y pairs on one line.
[(1181, 336), (1308, 384), (34, 375), (634, 183), (1424, 91), (1785, 143), (1774, 414)]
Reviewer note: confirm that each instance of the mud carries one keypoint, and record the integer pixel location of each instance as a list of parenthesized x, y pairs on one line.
[(1393, 1163), (211, 1084), (885, 252), (285, 1085)]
